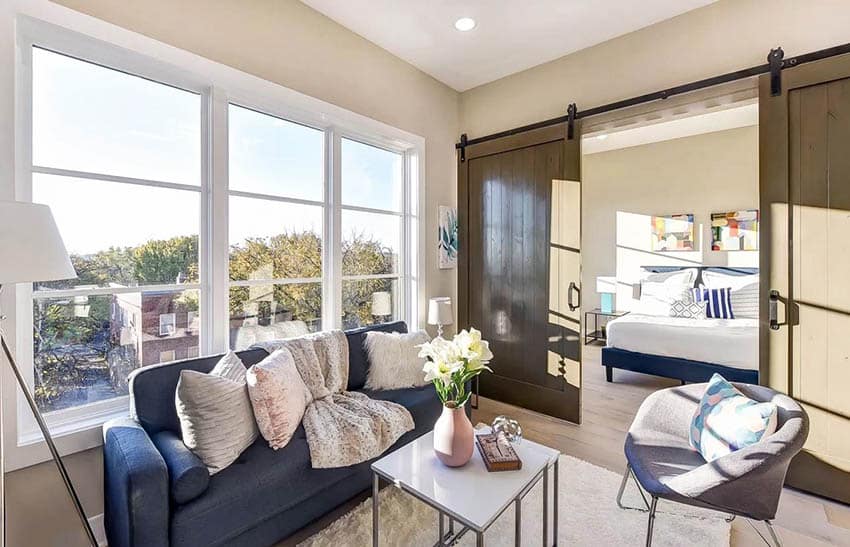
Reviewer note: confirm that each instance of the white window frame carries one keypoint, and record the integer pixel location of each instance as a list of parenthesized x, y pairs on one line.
[(90, 40)]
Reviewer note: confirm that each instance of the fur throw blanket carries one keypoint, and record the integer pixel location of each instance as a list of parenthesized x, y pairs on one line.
[(343, 428)]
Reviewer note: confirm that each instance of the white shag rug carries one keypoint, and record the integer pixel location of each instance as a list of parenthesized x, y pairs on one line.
[(588, 515)]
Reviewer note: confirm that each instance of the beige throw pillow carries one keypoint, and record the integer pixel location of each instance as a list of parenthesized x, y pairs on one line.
[(279, 397), (394, 360), (215, 413)]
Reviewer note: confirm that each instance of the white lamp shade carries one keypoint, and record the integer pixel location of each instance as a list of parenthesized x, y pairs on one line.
[(606, 285), (31, 248), (382, 303), (440, 311)]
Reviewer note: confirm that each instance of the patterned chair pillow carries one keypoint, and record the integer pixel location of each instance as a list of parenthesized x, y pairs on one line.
[(726, 420)]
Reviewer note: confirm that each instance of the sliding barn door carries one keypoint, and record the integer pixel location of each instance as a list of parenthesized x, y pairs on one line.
[(519, 267), (805, 203)]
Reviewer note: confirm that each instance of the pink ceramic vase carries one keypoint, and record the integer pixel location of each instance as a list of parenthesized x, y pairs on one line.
[(453, 437)]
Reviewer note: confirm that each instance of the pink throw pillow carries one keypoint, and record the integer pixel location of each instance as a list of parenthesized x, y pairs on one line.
[(279, 397)]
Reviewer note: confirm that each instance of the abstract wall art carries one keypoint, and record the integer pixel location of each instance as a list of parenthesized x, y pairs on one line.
[(735, 231), (447, 247), (673, 232)]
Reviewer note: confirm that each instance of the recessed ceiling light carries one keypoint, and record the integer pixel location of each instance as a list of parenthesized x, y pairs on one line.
[(465, 23)]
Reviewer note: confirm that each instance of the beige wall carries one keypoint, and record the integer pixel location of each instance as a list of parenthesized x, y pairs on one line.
[(285, 42), (719, 38), (622, 189)]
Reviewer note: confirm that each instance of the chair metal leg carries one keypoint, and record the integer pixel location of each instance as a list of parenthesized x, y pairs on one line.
[(651, 522), (773, 534), (623, 489)]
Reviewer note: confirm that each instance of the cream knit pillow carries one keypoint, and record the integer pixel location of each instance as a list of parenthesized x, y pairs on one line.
[(279, 397), (215, 413), (394, 360)]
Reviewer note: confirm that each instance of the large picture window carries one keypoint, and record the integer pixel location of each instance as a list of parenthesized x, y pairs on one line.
[(118, 160), (197, 221)]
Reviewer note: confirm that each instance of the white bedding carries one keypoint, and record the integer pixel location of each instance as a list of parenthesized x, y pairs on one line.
[(729, 342)]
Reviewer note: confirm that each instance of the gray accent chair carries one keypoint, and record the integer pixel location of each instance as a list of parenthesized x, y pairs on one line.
[(746, 483)]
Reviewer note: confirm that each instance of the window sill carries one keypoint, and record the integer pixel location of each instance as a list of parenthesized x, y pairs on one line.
[(70, 438)]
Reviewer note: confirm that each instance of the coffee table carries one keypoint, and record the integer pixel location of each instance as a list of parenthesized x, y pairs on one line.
[(469, 495)]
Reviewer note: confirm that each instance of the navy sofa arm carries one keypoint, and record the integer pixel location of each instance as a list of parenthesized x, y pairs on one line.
[(135, 478)]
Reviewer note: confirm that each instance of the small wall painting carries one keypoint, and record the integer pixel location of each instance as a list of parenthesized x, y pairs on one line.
[(673, 232), (735, 231), (447, 248)]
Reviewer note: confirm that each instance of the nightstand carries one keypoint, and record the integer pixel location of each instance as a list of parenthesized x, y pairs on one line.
[(598, 333)]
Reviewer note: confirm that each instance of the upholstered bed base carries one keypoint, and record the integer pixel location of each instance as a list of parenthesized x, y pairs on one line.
[(671, 367)]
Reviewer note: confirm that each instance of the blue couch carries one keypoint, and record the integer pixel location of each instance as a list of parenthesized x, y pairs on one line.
[(158, 493)]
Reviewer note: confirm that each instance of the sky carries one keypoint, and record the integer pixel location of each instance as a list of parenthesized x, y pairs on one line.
[(93, 119)]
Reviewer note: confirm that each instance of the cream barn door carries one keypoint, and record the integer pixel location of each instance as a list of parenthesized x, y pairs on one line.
[(805, 201)]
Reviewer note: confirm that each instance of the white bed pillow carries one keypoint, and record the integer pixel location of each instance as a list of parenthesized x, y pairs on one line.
[(719, 280), (658, 298), (394, 360), (685, 276), (745, 301)]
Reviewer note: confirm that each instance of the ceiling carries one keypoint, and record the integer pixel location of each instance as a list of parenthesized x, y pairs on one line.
[(510, 36), (719, 119)]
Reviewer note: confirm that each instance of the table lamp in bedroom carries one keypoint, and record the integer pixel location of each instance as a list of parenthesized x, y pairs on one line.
[(607, 289)]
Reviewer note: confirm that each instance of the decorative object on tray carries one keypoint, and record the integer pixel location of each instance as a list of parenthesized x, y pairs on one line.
[(673, 233), (497, 452), (509, 427), (448, 245), (735, 231), (450, 365)]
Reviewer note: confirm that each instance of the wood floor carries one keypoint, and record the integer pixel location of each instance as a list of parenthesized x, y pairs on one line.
[(607, 412)]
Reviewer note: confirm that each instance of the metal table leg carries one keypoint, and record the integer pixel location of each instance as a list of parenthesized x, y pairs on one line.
[(518, 522), (479, 539), (376, 486), (555, 506), (546, 506), (442, 538)]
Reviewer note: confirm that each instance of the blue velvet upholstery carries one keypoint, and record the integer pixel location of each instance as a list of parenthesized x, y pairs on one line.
[(188, 477), (358, 359), (152, 389), (136, 487), (156, 496)]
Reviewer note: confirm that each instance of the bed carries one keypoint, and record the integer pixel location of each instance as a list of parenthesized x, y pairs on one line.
[(690, 350)]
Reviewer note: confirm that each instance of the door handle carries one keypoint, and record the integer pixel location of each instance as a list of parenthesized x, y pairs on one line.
[(773, 310), (573, 288)]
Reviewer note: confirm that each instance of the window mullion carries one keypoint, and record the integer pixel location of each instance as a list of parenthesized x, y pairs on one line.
[(218, 314), (332, 246)]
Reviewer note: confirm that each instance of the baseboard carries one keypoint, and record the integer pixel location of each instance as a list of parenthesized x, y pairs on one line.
[(97, 525)]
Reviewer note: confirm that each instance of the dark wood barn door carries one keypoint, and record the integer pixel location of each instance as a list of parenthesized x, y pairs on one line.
[(519, 271), (805, 203)]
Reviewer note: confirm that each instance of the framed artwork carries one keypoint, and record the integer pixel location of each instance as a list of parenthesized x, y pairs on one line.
[(447, 247), (735, 231), (673, 232)]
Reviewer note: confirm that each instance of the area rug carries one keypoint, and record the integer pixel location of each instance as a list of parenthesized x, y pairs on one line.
[(588, 515)]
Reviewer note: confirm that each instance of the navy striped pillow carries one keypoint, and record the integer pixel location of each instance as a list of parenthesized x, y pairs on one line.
[(718, 302)]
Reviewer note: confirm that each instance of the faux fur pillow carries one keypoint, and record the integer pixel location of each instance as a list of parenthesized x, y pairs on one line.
[(278, 396), (215, 413), (393, 359)]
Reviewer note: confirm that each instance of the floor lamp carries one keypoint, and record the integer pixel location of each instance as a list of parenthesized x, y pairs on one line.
[(31, 250)]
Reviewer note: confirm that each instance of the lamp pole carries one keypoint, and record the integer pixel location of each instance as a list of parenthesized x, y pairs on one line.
[(48, 439)]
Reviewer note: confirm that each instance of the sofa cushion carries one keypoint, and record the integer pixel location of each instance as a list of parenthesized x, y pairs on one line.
[(260, 484), (152, 389), (188, 477), (358, 360), (422, 402)]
